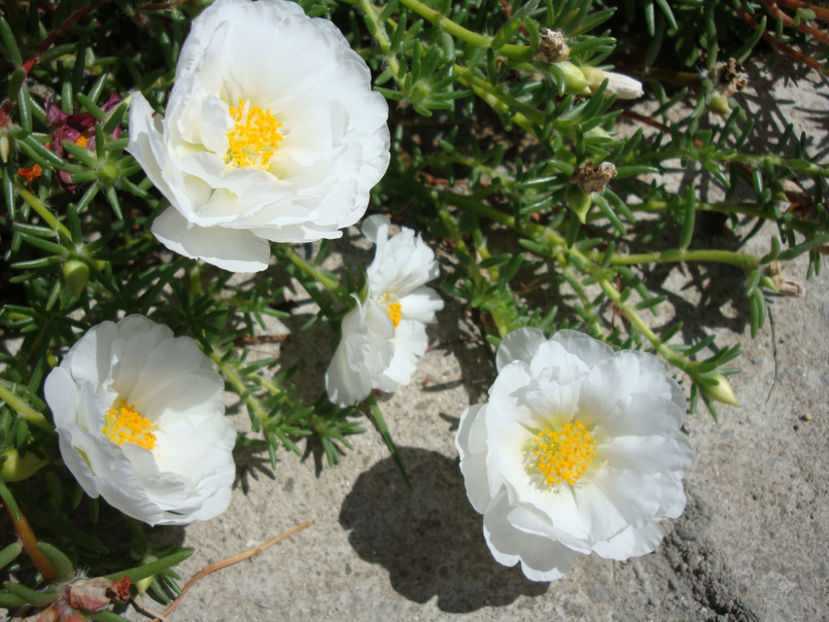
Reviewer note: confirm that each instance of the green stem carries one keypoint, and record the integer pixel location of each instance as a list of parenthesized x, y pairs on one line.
[(515, 52), (42, 211), (670, 355), (742, 158), (382, 38), (229, 372), (22, 408), (498, 317), (330, 283)]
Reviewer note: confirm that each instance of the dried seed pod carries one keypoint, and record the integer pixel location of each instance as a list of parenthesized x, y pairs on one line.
[(594, 177)]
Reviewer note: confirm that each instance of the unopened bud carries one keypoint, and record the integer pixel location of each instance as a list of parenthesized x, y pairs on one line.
[(16, 467), (107, 173), (718, 103), (719, 392), (579, 201), (551, 47), (76, 275), (618, 84), (575, 81), (5, 146)]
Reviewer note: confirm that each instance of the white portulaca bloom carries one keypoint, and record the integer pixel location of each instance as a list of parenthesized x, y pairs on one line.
[(578, 450), (140, 420), (272, 132), (385, 334)]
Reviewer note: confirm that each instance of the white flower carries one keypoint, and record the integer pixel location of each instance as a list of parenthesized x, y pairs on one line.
[(271, 132), (578, 450), (384, 335), (140, 421)]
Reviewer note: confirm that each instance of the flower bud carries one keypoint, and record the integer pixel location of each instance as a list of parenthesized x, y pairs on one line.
[(107, 173), (5, 146), (721, 391), (76, 275), (574, 79), (718, 104), (16, 468), (578, 201), (618, 84)]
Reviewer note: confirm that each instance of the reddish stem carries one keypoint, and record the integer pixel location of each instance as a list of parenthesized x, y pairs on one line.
[(820, 12), (775, 10), (29, 541), (782, 47)]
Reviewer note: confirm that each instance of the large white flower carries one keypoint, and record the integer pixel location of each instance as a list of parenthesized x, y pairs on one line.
[(578, 450), (272, 132), (140, 421), (384, 335)]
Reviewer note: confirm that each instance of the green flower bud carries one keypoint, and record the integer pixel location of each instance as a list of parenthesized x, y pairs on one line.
[(76, 275), (16, 468), (144, 584), (719, 104), (574, 80), (108, 173), (721, 391), (5, 147), (579, 201)]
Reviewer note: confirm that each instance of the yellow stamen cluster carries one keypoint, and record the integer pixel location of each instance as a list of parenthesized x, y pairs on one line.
[(394, 309), (125, 424), (254, 138), (564, 456), (395, 312)]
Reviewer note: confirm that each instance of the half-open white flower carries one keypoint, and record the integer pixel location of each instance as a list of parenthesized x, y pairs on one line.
[(578, 450), (140, 421), (272, 132), (385, 334)]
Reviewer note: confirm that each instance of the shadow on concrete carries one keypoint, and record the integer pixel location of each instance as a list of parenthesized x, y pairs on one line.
[(428, 536)]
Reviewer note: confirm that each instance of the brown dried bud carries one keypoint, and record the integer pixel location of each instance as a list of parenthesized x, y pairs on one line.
[(96, 594), (551, 47), (783, 285), (594, 177), (730, 77)]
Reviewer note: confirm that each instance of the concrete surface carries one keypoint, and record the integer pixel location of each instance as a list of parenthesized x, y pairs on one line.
[(751, 545)]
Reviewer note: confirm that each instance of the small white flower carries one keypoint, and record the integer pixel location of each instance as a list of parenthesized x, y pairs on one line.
[(140, 421), (578, 450), (384, 335), (272, 132)]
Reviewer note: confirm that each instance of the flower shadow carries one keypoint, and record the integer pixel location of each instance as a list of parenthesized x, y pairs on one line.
[(428, 536)]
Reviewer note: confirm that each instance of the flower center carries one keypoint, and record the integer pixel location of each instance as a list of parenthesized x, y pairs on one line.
[(125, 424), (563, 456), (394, 309), (254, 138)]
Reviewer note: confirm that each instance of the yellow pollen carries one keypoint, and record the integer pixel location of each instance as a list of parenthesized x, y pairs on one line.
[(564, 456), (395, 312), (125, 424), (254, 138), (81, 141)]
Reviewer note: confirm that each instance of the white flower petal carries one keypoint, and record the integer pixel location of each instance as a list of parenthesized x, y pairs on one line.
[(470, 441), (577, 450), (247, 65), (541, 559), (383, 338), (230, 249), (185, 474), (519, 345)]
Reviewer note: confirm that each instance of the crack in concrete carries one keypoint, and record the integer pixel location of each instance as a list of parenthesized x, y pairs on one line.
[(697, 564)]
